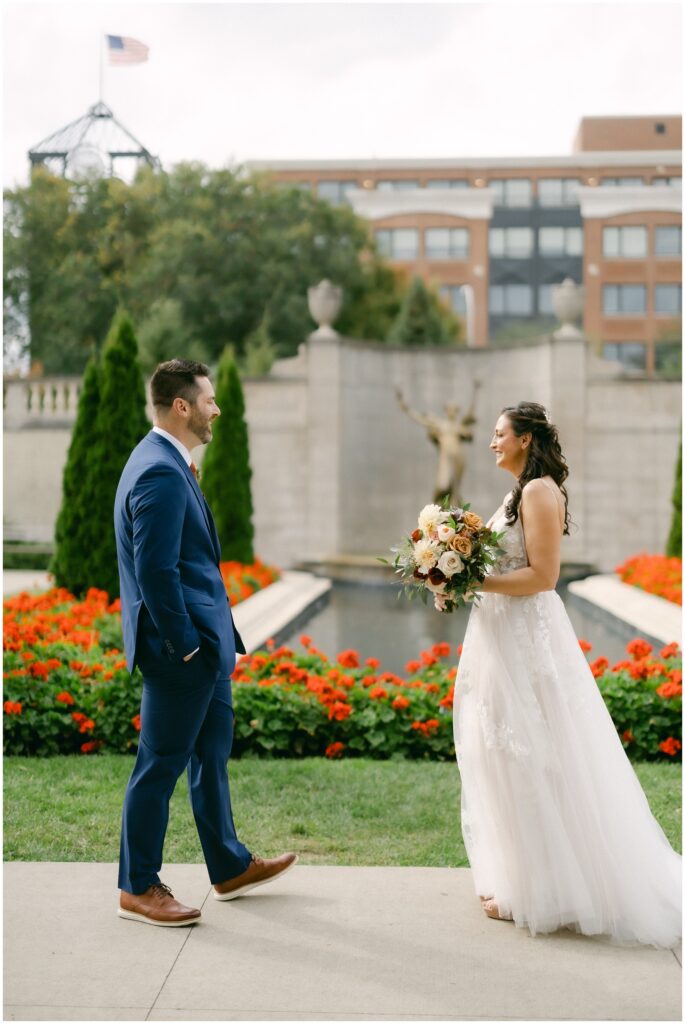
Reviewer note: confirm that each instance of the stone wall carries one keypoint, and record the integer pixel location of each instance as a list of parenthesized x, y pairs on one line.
[(339, 469)]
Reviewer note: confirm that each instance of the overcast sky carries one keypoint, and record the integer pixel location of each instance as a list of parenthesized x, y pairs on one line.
[(231, 82)]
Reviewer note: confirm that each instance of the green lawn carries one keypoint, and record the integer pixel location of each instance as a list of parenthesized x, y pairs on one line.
[(343, 812)]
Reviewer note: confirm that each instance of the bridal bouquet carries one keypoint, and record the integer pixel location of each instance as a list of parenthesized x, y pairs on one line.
[(447, 556)]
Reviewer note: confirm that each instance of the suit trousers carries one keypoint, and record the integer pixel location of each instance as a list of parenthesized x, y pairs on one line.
[(186, 720)]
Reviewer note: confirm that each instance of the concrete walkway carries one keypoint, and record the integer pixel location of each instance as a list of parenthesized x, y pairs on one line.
[(323, 943)]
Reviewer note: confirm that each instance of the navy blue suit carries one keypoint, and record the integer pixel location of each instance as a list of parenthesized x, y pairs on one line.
[(173, 600)]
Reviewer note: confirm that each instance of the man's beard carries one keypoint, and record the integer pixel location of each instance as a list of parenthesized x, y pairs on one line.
[(200, 427)]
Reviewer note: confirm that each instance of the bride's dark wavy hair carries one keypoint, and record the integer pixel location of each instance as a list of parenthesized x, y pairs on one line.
[(545, 457)]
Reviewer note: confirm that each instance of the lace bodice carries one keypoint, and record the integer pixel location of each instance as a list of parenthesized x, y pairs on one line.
[(513, 541)]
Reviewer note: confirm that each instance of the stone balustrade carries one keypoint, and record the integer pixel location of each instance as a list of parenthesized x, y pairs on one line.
[(43, 401)]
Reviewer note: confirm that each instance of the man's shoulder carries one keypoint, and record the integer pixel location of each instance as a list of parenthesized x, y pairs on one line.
[(150, 459), (153, 450)]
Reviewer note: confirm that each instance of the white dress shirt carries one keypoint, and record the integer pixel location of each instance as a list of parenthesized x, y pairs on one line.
[(181, 448), (176, 443)]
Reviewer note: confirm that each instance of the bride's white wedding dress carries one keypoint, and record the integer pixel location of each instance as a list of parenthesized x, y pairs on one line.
[(556, 826)]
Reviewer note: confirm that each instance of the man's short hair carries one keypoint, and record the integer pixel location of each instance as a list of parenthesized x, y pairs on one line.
[(176, 379)]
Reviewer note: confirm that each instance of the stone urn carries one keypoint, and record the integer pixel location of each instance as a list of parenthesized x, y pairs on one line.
[(325, 300), (568, 300)]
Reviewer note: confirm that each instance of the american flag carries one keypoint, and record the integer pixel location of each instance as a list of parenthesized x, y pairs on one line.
[(124, 50)]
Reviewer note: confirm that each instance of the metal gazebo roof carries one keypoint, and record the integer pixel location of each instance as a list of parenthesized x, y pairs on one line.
[(95, 143)]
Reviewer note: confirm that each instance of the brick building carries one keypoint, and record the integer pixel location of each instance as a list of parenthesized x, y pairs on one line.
[(495, 234)]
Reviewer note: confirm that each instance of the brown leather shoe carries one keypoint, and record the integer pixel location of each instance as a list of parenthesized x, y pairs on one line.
[(259, 872), (156, 906)]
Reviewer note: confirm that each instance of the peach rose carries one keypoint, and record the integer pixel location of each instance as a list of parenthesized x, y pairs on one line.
[(472, 521), (461, 544)]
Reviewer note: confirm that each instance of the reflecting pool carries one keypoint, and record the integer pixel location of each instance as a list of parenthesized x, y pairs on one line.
[(371, 619)]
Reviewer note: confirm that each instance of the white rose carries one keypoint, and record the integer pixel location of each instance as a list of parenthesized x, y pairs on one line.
[(425, 555), (440, 602), (435, 588), (430, 518), (445, 533), (450, 563)]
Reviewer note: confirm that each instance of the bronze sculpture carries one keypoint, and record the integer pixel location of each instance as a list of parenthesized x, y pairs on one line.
[(449, 434)]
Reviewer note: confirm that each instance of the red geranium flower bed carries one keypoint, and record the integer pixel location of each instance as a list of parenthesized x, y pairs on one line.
[(67, 690), (656, 574), (242, 581), (65, 671)]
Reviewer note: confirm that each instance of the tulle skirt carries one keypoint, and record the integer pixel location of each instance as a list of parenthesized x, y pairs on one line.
[(556, 825)]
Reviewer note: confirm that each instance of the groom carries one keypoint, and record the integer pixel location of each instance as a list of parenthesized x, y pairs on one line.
[(179, 630)]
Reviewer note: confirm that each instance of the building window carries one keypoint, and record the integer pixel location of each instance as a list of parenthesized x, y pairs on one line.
[(561, 241), (447, 183), (513, 243), (660, 128), (545, 304), (668, 299), (558, 191), (627, 182), (455, 297), (624, 299), (510, 299), (396, 184), (447, 243), (398, 243), (335, 191), (624, 243), (631, 354), (511, 191), (668, 241)]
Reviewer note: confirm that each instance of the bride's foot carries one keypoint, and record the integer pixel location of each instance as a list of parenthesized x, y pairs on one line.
[(492, 910)]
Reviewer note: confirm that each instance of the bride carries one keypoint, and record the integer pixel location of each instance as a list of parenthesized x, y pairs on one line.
[(556, 826)]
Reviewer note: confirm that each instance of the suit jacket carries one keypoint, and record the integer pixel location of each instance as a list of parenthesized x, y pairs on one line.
[(173, 598)]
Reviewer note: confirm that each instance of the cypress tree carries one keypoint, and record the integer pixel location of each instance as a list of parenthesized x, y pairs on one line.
[(260, 351), (226, 469), (74, 529), (121, 423), (420, 322), (674, 544)]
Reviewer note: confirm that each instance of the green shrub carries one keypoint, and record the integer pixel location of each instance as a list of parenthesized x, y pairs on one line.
[(27, 555), (260, 351), (226, 469), (110, 422), (75, 525), (121, 423), (421, 322)]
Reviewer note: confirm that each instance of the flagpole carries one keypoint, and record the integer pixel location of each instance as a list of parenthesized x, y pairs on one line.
[(102, 64)]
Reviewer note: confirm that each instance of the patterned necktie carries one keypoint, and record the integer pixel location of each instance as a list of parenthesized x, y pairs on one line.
[(195, 471)]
